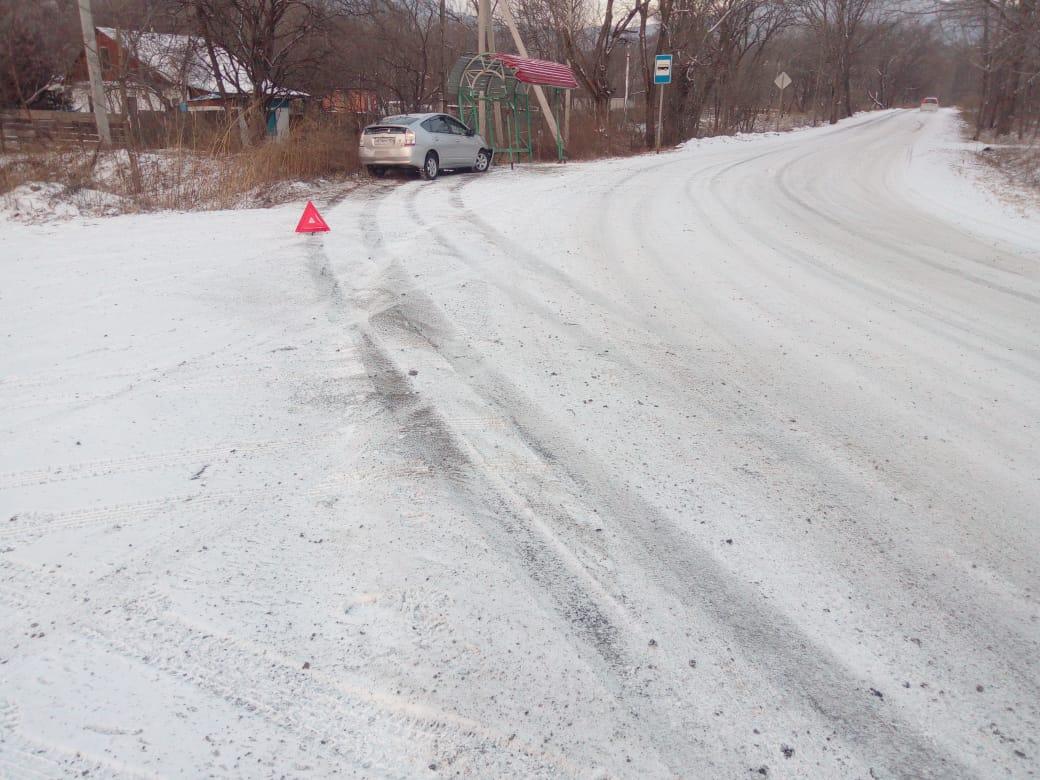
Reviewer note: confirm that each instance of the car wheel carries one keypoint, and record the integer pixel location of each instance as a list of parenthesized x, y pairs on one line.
[(431, 167), (378, 171), (483, 161)]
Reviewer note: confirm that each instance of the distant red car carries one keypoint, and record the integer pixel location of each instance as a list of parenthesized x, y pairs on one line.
[(930, 104)]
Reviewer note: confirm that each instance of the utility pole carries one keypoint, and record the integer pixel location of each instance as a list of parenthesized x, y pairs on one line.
[(497, 137), (443, 60), (97, 86), (567, 94), (483, 21), (628, 57), (539, 93)]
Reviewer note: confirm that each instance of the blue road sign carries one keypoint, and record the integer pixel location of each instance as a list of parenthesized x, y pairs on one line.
[(663, 69)]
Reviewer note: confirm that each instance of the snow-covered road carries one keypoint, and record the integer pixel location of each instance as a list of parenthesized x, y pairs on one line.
[(718, 463)]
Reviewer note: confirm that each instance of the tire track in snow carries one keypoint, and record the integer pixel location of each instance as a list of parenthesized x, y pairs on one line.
[(73, 400), (1020, 673), (853, 283), (508, 248), (540, 534), (778, 644), (455, 251), (575, 601), (549, 317), (331, 715), (896, 569), (903, 250), (975, 342), (826, 271), (939, 594), (22, 756), (40, 379), (77, 470), (582, 600), (761, 633), (29, 526)]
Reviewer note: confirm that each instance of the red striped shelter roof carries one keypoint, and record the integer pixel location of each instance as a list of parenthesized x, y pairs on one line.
[(541, 72)]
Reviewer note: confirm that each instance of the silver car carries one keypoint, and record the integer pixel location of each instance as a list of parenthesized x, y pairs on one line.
[(428, 143)]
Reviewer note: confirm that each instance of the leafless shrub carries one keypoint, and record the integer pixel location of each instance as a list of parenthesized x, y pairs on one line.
[(591, 138), (318, 148)]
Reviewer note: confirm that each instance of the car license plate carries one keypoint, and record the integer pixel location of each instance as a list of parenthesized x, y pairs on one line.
[(384, 141)]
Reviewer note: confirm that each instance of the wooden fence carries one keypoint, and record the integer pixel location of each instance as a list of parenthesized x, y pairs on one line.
[(200, 130), (29, 129)]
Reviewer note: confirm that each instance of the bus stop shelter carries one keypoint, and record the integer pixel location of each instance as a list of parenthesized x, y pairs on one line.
[(494, 93)]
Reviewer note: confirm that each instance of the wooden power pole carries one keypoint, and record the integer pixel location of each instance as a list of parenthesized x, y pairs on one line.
[(539, 93), (443, 63), (97, 86), (483, 23)]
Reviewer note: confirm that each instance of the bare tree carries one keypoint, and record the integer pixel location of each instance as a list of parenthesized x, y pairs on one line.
[(841, 28), (589, 33), (273, 43), (1004, 40), (37, 42)]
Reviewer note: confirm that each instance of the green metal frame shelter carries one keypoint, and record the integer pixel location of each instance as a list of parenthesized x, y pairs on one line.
[(496, 87)]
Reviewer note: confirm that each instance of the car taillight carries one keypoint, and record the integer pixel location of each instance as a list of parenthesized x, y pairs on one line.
[(409, 138)]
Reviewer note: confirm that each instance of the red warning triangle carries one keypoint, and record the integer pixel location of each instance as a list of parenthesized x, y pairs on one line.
[(311, 221)]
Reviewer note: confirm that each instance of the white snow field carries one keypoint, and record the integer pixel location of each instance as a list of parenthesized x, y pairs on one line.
[(721, 463)]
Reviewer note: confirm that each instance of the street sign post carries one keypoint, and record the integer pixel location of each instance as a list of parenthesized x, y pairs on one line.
[(663, 69), (783, 81), (662, 76)]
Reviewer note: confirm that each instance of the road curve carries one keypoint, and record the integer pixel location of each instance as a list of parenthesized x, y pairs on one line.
[(799, 395), (718, 463)]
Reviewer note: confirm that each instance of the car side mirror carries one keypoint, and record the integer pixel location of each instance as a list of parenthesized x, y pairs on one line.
[(471, 133)]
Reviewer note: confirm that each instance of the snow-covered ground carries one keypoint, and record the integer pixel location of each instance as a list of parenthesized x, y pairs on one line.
[(717, 463)]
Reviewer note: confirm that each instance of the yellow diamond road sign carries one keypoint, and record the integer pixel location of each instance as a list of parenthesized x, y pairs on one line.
[(783, 80)]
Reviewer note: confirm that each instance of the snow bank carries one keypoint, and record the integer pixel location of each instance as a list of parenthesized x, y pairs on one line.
[(947, 176), (44, 201)]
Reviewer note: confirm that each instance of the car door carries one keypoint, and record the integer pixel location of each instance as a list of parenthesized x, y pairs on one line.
[(443, 140), (466, 144), (459, 154)]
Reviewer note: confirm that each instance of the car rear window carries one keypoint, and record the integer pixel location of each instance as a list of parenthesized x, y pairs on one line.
[(383, 129), (399, 119)]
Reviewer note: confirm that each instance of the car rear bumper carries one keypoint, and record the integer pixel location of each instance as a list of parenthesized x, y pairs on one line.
[(391, 155)]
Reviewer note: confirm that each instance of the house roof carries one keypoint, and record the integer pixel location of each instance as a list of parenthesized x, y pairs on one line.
[(542, 72), (182, 59)]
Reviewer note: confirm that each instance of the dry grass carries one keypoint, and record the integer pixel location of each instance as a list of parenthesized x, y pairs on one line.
[(314, 150), (72, 167), (591, 140), (1015, 159), (1018, 163), (195, 172)]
